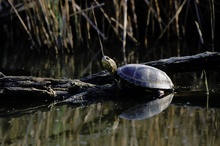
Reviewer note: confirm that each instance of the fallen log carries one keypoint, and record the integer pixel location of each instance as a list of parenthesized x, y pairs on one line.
[(97, 86), (202, 61), (33, 88)]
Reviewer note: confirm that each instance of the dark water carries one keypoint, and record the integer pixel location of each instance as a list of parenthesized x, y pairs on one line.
[(95, 125), (191, 119)]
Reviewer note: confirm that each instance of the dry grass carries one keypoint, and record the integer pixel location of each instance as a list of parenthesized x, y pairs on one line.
[(60, 26)]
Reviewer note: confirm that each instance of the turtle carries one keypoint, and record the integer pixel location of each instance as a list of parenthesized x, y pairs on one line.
[(139, 75)]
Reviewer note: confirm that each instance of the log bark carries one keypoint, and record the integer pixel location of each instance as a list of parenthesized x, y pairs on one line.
[(202, 61), (99, 86), (49, 89)]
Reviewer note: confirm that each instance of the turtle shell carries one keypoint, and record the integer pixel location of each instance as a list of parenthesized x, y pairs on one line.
[(145, 76)]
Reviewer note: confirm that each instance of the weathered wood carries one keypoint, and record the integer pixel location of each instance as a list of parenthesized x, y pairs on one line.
[(202, 61), (12, 87), (96, 86), (32, 87)]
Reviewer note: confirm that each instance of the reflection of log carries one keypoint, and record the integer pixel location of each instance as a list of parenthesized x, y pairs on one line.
[(95, 86)]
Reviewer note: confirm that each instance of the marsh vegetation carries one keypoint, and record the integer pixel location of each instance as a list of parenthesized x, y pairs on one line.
[(59, 39)]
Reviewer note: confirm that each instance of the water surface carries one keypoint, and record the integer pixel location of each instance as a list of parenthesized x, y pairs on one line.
[(191, 119)]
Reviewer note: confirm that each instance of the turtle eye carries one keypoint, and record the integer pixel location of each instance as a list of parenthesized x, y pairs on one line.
[(107, 58)]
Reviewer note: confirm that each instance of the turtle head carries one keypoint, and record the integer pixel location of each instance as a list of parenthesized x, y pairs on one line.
[(109, 64)]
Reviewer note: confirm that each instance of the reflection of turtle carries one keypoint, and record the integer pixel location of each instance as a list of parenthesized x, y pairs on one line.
[(146, 109), (140, 75)]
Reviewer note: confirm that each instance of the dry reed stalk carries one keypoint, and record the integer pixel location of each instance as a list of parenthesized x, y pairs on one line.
[(134, 17), (51, 23), (155, 13), (89, 21), (207, 89), (177, 19), (76, 22), (197, 12), (22, 22), (200, 32), (87, 9), (147, 27), (158, 14), (48, 31), (116, 15), (38, 27), (151, 14), (108, 19), (88, 36), (117, 24), (185, 19), (128, 33), (212, 13), (52, 40), (172, 19), (65, 24), (100, 42), (124, 31)]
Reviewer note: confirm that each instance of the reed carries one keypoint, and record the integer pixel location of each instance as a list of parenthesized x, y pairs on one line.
[(207, 89), (63, 26)]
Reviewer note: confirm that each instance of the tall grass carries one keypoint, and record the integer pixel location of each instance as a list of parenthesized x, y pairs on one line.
[(62, 26)]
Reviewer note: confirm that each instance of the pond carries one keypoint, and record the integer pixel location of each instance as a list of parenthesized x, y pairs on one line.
[(191, 119)]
